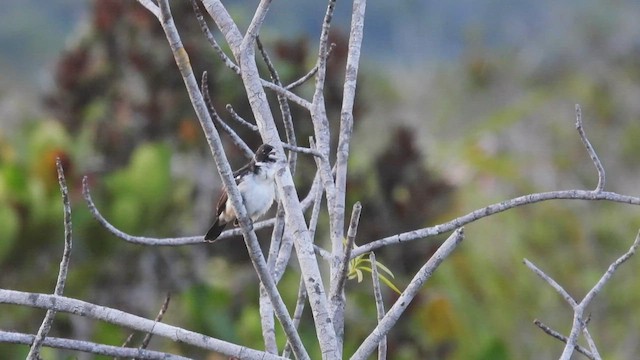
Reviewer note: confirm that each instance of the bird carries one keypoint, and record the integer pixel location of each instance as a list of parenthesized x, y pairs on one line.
[(256, 184)]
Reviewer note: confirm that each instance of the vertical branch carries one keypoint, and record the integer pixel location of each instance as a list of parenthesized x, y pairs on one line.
[(267, 322), (213, 139), (392, 316), (377, 295), (336, 290), (297, 313), (285, 110), (342, 157), (590, 150), (43, 331), (286, 188)]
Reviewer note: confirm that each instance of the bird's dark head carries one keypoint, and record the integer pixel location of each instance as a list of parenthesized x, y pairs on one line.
[(266, 153)]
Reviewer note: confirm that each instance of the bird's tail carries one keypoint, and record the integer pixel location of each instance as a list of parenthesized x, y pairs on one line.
[(215, 230)]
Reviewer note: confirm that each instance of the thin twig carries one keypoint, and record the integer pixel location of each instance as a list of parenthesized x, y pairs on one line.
[(204, 88), (311, 72), (494, 209), (590, 150), (591, 343), (212, 40), (559, 289), (240, 120), (562, 338), (88, 347), (143, 240), (285, 110), (302, 150), (578, 322), (163, 310), (45, 327), (179, 241), (377, 295), (610, 271), (391, 318)]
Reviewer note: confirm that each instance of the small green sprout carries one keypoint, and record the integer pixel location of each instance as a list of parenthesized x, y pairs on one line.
[(359, 264)]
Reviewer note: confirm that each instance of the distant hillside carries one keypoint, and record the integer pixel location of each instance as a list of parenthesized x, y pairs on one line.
[(32, 32)]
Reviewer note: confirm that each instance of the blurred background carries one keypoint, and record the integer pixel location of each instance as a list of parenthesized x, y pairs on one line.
[(460, 104)]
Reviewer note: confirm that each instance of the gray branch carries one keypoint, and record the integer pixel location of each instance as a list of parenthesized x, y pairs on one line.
[(245, 56), (377, 295), (336, 290), (240, 120), (392, 316), (143, 240), (237, 141), (88, 347), (45, 327), (579, 323), (590, 150), (337, 211), (215, 144), (562, 338), (121, 318), (494, 209)]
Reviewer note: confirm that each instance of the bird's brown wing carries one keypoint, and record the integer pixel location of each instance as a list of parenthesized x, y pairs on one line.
[(222, 202)]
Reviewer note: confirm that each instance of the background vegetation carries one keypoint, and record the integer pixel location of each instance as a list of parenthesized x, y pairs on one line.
[(492, 118)]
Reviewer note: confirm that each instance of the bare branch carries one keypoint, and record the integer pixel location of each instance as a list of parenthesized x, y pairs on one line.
[(578, 312), (377, 295), (311, 72), (392, 316), (559, 289), (204, 88), (302, 150), (285, 110), (562, 338), (610, 271), (240, 120), (88, 347), (45, 327), (336, 290), (286, 188), (267, 322), (151, 6), (163, 310), (190, 240), (254, 27), (297, 313), (121, 318), (590, 150), (212, 40), (215, 144), (143, 240), (494, 209), (315, 196), (592, 344)]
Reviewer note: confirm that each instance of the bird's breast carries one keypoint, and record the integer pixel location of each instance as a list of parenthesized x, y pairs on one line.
[(258, 196)]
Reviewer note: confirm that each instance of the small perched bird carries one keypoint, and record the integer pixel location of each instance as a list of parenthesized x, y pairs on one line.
[(256, 184)]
